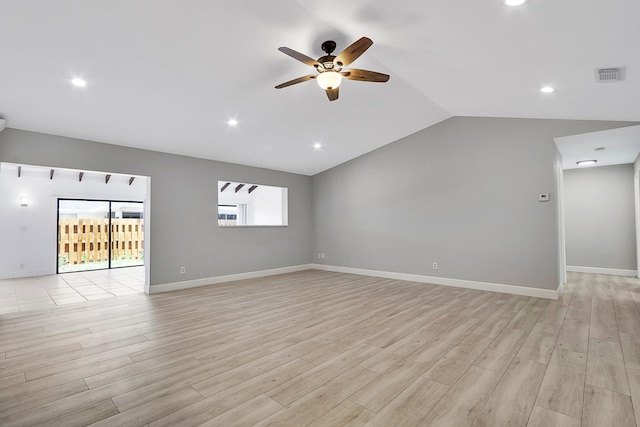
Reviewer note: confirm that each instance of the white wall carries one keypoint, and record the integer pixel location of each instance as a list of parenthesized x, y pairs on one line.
[(29, 233), (561, 221), (600, 219), (268, 206)]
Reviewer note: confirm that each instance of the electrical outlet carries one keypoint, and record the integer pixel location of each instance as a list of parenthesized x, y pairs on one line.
[(183, 270), (322, 255), (319, 255), (435, 265)]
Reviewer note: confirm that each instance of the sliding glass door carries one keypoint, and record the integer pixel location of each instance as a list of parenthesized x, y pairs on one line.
[(99, 234), (127, 234)]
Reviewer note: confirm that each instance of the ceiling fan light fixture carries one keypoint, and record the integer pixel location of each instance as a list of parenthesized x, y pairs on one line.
[(329, 80), (329, 68)]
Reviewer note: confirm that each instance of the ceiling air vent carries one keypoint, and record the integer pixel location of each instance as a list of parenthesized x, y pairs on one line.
[(609, 75)]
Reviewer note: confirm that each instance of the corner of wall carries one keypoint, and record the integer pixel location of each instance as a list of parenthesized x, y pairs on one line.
[(636, 196)]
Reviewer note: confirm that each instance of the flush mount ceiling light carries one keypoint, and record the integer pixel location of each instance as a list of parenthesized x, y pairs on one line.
[(547, 89), (77, 81), (586, 162), (331, 69), (514, 2), (232, 122)]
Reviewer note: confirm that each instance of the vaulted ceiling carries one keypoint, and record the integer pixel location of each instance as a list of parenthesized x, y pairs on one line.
[(168, 75)]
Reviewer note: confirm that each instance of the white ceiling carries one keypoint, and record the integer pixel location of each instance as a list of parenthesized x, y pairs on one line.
[(620, 145), (167, 75)]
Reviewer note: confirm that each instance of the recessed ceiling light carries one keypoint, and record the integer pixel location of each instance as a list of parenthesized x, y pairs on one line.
[(317, 146), (77, 81), (232, 122), (514, 2), (546, 89), (586, 162)]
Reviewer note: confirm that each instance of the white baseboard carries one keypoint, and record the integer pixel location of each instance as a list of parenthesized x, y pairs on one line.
[(22, 274), (600, 270), (459, 283), (175, 286)]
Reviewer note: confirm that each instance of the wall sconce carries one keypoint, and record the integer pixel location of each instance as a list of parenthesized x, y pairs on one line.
[(24, 201)]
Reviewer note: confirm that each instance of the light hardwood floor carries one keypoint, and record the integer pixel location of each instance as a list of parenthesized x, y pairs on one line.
[(328, 349)]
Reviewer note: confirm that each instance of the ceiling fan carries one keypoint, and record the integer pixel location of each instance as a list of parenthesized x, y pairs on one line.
[(331, 68)]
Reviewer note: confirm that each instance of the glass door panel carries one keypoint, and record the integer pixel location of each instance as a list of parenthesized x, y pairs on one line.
[(83, 235), (127, 234)]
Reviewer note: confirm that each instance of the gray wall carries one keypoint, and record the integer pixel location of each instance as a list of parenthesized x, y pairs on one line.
[(600, 217), (184, 229), (462, 193), (636, 189)]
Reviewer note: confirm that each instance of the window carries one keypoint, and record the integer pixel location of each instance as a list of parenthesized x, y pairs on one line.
[(242, 204), (227, 214)]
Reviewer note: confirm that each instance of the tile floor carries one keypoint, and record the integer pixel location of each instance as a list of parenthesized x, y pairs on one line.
[(49, 291)]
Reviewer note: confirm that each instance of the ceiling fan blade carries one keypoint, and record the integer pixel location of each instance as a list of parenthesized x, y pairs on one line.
[(299, 56), (352, 53), (296, 81), (332, 94), (365, 76)]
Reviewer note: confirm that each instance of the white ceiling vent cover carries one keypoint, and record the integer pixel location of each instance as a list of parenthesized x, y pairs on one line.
[(609, 75)]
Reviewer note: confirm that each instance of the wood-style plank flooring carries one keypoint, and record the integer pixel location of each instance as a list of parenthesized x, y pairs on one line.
[(328, 349)]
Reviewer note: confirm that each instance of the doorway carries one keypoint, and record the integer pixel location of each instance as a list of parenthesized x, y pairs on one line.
[(99, 234)]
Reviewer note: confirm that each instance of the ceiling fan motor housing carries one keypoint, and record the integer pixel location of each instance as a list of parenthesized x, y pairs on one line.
[(327, 63), (328, 46)]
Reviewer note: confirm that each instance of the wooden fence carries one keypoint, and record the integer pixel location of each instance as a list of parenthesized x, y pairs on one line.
[(86, 240)]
